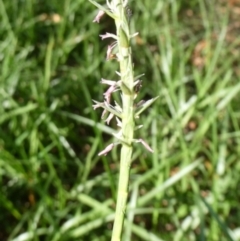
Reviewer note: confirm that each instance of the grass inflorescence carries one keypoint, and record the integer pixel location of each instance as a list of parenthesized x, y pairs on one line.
[(54, 186)]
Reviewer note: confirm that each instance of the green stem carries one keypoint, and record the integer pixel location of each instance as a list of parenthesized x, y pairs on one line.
[(127, 77)]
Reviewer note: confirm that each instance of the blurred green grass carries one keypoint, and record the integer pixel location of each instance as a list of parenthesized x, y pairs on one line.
[(53, 184)]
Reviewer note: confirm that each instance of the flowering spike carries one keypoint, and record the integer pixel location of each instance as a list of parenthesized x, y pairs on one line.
[(125, 113)]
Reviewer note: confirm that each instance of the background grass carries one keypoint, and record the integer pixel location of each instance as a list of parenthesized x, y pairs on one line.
[(53, 184)]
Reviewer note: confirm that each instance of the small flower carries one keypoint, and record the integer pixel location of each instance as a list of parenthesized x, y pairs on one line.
[(114, 86), (110, 55), (109, 92), (109, 35), (112, 109), (118, 107), (99, 16), (103, 114), (107, 149), (108, 82), (145, 145), (111, 115), (97, 105), (134, 35)]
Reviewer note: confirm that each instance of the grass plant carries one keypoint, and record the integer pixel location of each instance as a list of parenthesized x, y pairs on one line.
[(55, 187), (127, 111)]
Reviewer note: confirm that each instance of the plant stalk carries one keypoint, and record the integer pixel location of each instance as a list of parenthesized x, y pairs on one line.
[(127, 78)]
